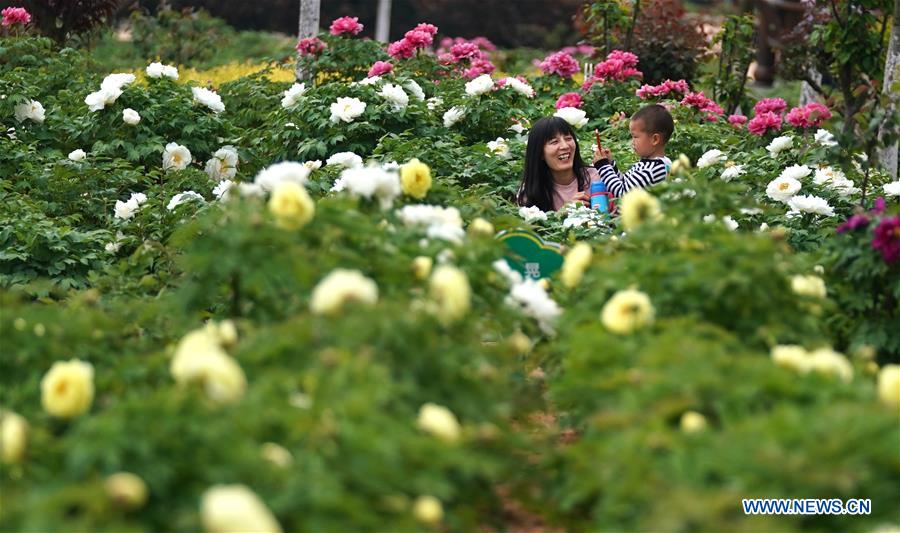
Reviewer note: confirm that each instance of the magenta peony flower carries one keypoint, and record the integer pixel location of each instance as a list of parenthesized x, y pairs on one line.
[(737, 120), (764, 122), (418, 38), (569, 100), (346, 25), (402, 49), (663, 89), (559, 63), (310, 46), (465, 50), (809, 116), (887, 239), (427, 28), (618, 66), (879, 206), (15, 15), (770, 105), (380, 68), (853, 223)]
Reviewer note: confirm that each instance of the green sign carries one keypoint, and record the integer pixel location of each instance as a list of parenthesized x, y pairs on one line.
[(529, 255)]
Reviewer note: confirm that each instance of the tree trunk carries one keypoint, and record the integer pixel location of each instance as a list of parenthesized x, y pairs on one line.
[(309, 27), (888, 155), (383, 21)]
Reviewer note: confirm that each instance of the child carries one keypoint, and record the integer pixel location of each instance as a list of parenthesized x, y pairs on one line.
[(650, 128)]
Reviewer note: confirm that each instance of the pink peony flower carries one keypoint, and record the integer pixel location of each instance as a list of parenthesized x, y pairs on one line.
[(569, 100), (427, 28), (380, 68), (809, 116), (484, 43), (479, 67), (346, 25), (763, 122), (559, 63), (465, 50), (310, 46), (15, 15), (418, 38), (402, 49), (618, 66), (887, 239), (663, 89), (770, 105), (737, 120), (447, 59)]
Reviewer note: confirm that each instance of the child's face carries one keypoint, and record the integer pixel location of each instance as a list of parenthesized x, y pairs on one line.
[(645, 144)]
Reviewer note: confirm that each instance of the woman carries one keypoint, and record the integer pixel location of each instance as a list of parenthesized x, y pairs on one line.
[(554, 171)]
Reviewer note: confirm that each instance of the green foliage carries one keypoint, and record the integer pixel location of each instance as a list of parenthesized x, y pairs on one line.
[(179, 37), (736, 39)]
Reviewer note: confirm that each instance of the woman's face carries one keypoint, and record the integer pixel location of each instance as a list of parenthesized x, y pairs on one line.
[(559, 152)]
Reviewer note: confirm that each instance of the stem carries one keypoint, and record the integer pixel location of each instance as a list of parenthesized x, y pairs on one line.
[(235, 294), (634, 16)]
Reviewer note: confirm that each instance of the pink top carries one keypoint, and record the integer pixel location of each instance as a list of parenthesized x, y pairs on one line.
[(563, 194)]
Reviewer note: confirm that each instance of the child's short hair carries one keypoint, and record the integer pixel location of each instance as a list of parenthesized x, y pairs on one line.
[(656, 119)]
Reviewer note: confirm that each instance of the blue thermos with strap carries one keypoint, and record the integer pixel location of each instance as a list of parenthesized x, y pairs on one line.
[(599, 196)]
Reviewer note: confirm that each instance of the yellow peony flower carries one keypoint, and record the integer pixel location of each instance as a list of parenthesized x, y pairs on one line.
[(627, 311), (439, 421), (127, 490), (829, 362), (576, 262), (13, 437), (67, 389), (812, 286), (480, 226), (693, 422), (791, 356), (889, 385), (449, 289), (291, 205), (276, 454), (415, 178), (519, 342), (236, 509), (428, 510), (200, 359), (338, 288), (421, 267), (682, 164), (638, 207)]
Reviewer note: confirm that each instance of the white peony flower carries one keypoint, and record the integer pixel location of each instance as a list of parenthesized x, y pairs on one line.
[(519, 86), (434, 103), (709, 219), (317, 164), (810, 204), (796, 172), (892, 189), (345, 159), (130, 116), (711, 157), (77, 155), (222, 191), (176, 157), (453, 115), (517, 128), (499, 147), (31, 110), (480, 85), (116, 81), (287, 171), (732, 172), (730, 223), (223, 164), (574, 116), (347, 109), (251, 190), (779, 144), (443, 223), (183, 197), (102, 98), (208, 98), (125, 210), (532, 300), (532, 213), (292, 95), (781, 189), (825, 138), (395, 95), (158, 70), (415, 89), (372, 80), (368, 182), (835, 179)]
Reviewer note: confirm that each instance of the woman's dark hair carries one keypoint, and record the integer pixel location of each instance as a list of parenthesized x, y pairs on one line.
[(537, 183)]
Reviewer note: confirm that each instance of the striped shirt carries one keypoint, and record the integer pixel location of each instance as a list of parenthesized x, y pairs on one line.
[(643, 174)]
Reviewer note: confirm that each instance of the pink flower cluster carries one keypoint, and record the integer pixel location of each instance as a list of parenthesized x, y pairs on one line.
[(585, 50), (887, 239), (770, 105), (763, 122), (380, 68), (618, 66), (663, 89), (809, 116), (481, 42), (700, 101), (419, 37), (559, 63), (457, 51), (737, 120), (477, 67), (15, 15), (343, 25), (310, 46), (569, 100)]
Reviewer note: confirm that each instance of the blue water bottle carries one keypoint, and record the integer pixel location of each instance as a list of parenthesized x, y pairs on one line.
[(599, 196)]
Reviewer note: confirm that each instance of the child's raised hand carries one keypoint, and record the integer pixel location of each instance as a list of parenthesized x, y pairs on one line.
[(602, 153)]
